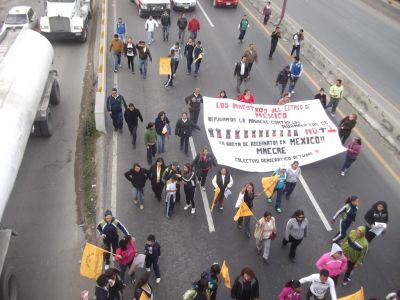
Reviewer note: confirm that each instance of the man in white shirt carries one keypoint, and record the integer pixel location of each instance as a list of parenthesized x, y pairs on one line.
[(320, 283), (150, 27), (241, 72), (224, 181)]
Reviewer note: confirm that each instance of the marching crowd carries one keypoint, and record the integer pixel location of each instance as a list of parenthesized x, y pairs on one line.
[(349, 246)]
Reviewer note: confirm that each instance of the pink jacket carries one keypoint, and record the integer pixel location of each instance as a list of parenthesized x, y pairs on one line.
[(128, 255), (288, 294), (334, 266)]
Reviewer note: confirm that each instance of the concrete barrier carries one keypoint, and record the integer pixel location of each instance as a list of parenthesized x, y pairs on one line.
[(365, 100)]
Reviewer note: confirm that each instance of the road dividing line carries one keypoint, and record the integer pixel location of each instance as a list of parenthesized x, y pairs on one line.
[(205, 14), (210, 221), (315, 203)]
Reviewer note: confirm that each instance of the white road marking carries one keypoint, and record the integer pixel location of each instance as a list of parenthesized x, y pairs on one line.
[(205, 14), (206, 204), (315, 203)]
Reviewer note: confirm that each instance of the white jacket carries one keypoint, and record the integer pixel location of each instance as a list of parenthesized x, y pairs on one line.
[(319, 288), (150, 25)]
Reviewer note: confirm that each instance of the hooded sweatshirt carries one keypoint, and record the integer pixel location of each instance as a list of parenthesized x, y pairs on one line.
[(355, 248), (287, 293), (334, 266)]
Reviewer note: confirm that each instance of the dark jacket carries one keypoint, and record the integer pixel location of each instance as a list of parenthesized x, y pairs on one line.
[(190, 181), (223, 184), (131, 49), (184, 129), (188, 52), (197, 51), (204, 164), (115, 104), (346, 125), (275, 36), (152, 252), (283, 77), (131, 117), (165, 20), (101, 293), (239, 287), (321, 98), (236, 71), (144, 52), (159, 124), (110, 229), (182, 23), (168, 172), (373, 215), (194, 101), (116, 290), (153, 173), (138, 179), (139, 291)]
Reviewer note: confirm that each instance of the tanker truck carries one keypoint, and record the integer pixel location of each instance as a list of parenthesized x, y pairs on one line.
[(28, 91)]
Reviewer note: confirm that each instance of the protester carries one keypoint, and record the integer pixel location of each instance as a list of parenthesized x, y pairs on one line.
[(298, 39), (275, 36), (193, 27), (115, 284), (334, 261), (246, 97), (152, 250), (107, 228), (251, 56), (137, 176), (224, 181), (345, 127), (212, 275), (177, 56), (189, 187), (131, 115), (144, 288), (117, 49), (198, 53), (202, 164), (264, 233), (171, 170), (320, 283), (245, 286), (355, 247), (130, 53), (150, 27), (144, 55), (188, 52), (243, 26), (353, 151), (282, 79), (170, 77), (291, 291), (279, 188), (166, 24), (121, 30), (335, 94), (114, 107), (348, 215), (296, 69), (194, 101), (125, 255), (222, 94), (292, 175), (182, 24), (246, 195), (285, 99), (296, 230), (183, 129), (198, 291), (378, 213), (162, 129), (321, 96), (267, 12), (150, 141), (171, 190), (155, 175), (241, 72), (101, 291)]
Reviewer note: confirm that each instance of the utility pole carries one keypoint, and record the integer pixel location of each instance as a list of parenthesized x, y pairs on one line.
[(283, 11)]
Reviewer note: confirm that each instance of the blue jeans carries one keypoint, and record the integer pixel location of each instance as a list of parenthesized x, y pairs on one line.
[(193, 35), (143, 66), (175, 65), (197, 66), (118, 120), (347, 162), (170, 204), (333, 102), (150, 37), (189, 61), (279, 194), (117, 59), (160, 143), (137, 194), (122, 37), (292, 83), (165, 33)]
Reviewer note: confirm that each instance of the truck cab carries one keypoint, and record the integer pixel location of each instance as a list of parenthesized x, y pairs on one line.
[(153, 8)]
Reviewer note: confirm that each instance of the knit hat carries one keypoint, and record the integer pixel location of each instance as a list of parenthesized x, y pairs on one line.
[(107, 213)]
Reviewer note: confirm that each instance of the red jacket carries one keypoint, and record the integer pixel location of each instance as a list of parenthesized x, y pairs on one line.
[(241, 98), (194, 25), (128, 255)]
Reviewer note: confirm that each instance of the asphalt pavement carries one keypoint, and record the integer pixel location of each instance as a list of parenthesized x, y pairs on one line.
[(188, 247)]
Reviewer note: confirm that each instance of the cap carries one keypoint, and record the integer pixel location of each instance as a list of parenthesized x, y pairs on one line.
[(107, 213)]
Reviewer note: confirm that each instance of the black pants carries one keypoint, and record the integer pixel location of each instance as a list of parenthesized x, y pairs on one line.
[(289, 188), (344, 135), (350, 267), (297, 49), (368, 234), (241, 34), (157, 188), (170, 81), (202, 176), (151, 152), (110, 243), (194, 115), (273, 48), (293, 245), (185, 144), (189, 193), (133, 131), (178, 194), (130, 62), (266, 18)]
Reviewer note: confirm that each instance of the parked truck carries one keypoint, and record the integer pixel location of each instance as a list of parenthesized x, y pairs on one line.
[(66, 19), (28, 91)]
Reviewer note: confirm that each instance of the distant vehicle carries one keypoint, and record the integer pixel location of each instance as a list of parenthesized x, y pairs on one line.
[(231, 3), (183, 4), (153, 8), (20, 17), (66, 19)]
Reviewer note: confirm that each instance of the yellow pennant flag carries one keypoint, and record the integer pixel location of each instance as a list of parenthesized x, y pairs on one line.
[(268, 184), (165, 65), (143, 296), (225, 275), (243, 211), (359, 295), (217, 190), (92, 261)]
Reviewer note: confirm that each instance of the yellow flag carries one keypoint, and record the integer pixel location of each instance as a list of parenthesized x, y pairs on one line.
[(359, 295), (165, 65), (143, 296), (269, 184), (92, 261), (216, 193), (243, 211), (225, 275)]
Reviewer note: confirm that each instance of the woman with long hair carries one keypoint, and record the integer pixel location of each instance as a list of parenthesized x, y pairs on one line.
[(189, 187), (143, 287), (296, 230)]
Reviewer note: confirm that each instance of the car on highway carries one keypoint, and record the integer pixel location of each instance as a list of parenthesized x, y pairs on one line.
[(231, 3), (183, 4), (153, 8), (20, 17)]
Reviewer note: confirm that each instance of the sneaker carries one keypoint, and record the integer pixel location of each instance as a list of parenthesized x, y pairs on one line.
[(269, 200), (332, 114), (158, 280), (346, 282), (186, 207), (221, 208), (141, 207), (135, 201), (193, 211), (203, 188), (148, 270), (106, 266), (133, 281), (292, 92), (115, 71), (119, 65), (279, 210), (342, 173)]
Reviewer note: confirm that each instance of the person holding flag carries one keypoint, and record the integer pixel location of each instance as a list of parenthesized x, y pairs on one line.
[(198, 53), (143, 290), (265, 233), (279, 188), (222, 183)]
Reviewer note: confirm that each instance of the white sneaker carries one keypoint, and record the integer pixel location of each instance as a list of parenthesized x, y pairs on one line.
[(193, 211), (186, 207), (292, 92), (158, 280), (342, 173), (106, 267), (203, 188), (332, 114), (148, 270)]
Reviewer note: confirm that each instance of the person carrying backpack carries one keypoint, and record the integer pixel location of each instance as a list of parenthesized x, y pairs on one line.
[(198, 291), (298, 38)]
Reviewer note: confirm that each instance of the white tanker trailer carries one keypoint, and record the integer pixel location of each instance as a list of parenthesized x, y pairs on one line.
[(28, 90)]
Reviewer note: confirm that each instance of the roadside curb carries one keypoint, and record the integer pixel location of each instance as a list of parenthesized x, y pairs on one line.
[(365, 100)]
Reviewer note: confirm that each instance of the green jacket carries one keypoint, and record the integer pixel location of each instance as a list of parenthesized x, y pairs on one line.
[(244, 24), (150, 136), (355, 248)]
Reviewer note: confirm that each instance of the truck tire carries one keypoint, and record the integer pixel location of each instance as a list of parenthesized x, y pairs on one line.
[(55, 93), (8, 284), (45, 127)]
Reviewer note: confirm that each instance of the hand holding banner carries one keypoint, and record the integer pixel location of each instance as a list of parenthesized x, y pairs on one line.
[(225, 275), (92, 261), (268, 184), (243, 211)]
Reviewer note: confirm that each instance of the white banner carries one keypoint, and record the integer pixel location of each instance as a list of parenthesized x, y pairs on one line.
[(261, 138)]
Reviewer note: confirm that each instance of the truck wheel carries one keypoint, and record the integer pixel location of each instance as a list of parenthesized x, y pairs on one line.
[(46, 126), (8, 284), (55, 93)]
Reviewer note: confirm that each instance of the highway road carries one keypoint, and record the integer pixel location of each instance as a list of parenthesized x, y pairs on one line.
[(188, 246)]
